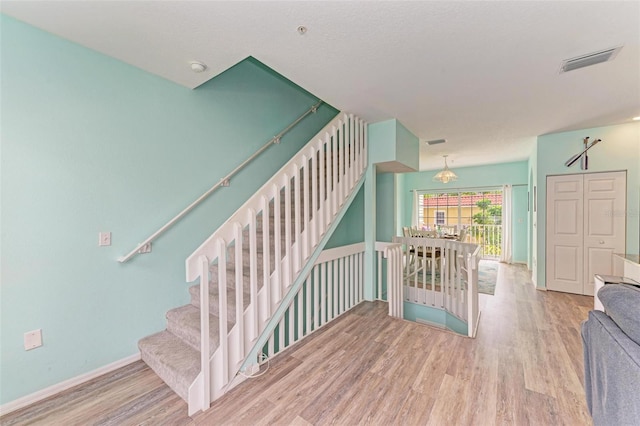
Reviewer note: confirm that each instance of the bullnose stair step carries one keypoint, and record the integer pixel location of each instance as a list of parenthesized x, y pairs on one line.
[(173, 360)]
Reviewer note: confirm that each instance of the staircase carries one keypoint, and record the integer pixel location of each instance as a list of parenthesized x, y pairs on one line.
[(249, 266)]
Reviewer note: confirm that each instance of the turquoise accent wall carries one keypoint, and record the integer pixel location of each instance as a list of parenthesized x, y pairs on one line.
[(391, 142), (400, 203), (520, 223), (619, 150), (413, 311), (533, 202), (381, 138), (350, 230), (91, 144), (407, 147), (385, 206)]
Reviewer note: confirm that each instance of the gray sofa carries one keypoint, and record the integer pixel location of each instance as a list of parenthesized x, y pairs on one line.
[(611, 343)]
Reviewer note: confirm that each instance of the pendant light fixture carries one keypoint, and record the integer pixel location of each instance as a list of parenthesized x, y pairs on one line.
[(445, 175)]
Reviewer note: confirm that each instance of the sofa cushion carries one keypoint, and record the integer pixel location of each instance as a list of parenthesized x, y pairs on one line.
[(622, 303)]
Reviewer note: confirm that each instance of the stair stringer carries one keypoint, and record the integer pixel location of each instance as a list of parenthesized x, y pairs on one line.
[(267, 325), (276, 317), (340, 151)]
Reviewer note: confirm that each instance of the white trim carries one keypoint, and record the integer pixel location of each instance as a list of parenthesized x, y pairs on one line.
[(339, 252), (67, 384)]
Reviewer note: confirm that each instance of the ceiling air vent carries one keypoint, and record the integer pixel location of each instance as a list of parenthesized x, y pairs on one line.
[(436, 142), (589, 59)]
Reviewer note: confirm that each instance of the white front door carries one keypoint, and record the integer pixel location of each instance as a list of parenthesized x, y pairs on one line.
[(586, 224), (565, 233), (604, 223)]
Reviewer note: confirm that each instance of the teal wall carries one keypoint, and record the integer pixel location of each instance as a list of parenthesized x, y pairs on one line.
[(414, 311), (400, 203), (619, 150), (91, 144), (350, 230), (533, 204), (390, 141), (385, 206), (382, 141), (407, 147), (520, 223), (514, 173)]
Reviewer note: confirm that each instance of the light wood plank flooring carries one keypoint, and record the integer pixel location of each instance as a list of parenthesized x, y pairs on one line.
[(524, 367)]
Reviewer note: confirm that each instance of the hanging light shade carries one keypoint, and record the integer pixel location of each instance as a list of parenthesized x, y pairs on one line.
[(445, 175)]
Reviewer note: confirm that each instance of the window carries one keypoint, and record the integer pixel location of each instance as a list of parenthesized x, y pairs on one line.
[(478, 212), (460, 208)]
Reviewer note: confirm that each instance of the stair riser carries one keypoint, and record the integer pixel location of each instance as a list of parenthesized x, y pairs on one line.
[(231, 275), (214, 307), (190, 333)]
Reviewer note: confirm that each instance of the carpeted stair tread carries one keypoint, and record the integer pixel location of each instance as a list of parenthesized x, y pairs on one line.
[(174, 354), (184, 323), (246, 274), (214, 307), (173, 360)]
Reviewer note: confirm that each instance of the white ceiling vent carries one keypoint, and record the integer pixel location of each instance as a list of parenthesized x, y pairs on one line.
[(436, 142), (589, 59)]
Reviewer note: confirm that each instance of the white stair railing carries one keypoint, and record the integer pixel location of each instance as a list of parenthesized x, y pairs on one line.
[(334, 286), (442, 274), (392, 255), (284, 221), (488, 237)]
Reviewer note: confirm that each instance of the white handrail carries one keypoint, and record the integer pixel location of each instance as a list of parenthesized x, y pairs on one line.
[(223, 182)]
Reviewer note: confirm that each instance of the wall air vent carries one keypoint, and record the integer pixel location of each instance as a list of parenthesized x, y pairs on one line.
[(589, 59), (436, 142)]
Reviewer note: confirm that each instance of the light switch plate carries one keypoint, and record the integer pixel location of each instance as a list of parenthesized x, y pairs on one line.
[(104, 239), (32, 339)]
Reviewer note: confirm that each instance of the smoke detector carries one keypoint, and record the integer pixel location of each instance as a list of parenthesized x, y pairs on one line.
[(197, 67), (589, 59)]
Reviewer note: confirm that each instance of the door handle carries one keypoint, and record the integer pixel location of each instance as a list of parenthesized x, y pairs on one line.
[(601, 242)]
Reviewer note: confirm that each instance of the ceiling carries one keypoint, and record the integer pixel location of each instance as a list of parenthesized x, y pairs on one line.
[(483, 75)]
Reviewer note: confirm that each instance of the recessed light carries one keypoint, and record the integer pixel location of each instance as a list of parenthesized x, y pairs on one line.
[(636, 118), (197, 66), (302, 30)]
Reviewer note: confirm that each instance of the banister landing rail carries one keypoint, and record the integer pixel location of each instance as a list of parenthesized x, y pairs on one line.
[(223, 182)]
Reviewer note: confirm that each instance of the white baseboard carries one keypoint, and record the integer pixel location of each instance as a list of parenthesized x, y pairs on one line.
[(59, 387)]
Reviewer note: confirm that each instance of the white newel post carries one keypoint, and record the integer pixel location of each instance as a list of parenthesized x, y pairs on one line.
[(204, 332), (370, 233)]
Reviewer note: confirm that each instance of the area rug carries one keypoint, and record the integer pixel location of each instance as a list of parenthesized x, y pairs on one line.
[(487, 276)]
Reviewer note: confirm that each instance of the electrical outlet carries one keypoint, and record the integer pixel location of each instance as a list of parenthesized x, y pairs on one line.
[(104, 239), (145, 249), (32, 339)]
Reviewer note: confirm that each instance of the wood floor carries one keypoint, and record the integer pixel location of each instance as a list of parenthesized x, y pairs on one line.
[(524, 367)]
